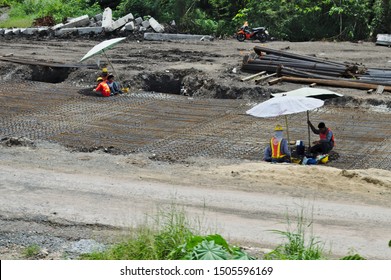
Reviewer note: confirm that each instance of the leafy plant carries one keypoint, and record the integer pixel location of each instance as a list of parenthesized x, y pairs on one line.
[(298, 245), (353, 257), (170, 237), (32, 251)]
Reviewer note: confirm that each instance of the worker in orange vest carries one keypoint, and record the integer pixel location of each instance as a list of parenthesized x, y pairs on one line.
[(277, 150), (103, 88), (326, 141)]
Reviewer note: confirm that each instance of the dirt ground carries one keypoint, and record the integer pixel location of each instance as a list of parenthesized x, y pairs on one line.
[(90, 168)]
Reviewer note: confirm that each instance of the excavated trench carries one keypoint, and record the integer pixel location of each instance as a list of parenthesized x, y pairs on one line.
[(177, 115)]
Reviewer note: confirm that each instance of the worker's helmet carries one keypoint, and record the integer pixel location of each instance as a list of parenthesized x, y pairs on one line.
[(278, 128), (100, 79), (104, 70), (325, 159)]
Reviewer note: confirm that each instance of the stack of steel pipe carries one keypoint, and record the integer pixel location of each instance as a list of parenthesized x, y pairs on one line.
[(294, 65)]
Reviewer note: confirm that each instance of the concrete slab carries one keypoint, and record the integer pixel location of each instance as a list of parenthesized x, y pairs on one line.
[(98, 17), (64, 31), (156, 25), (107, 20), (78, 22), (57, 26), (30, 31), (129, 26), (168, 36), (88, 30), (145, 24), (8, 31), (383, 39), (16, 31), (138, 20), (121, 22)]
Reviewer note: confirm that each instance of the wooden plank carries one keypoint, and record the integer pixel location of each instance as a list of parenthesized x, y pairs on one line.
[(257, 81), (252, 76), (274, 81), (335, 83)]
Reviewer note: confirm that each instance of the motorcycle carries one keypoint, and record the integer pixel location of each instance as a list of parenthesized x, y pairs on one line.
[(258, 33)]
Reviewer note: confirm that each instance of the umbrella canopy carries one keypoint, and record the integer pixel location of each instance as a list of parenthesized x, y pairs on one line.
[(101, 47), (309, 92), (284, 105)]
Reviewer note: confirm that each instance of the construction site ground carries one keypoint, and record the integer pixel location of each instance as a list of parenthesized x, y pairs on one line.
[(88, 167)]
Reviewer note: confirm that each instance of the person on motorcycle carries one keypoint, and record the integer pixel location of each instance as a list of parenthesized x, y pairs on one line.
[(245, 26)]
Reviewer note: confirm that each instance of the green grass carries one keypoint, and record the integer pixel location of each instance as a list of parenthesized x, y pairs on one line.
[(21, 22), (171, 236), (299, 245), (31, 251)]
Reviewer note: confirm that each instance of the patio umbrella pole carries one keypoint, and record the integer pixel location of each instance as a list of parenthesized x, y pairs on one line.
[(115, 73), (309, 135), (287, 134)]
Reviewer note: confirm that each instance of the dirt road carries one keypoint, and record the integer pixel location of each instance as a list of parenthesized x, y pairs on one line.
[(150, 148)]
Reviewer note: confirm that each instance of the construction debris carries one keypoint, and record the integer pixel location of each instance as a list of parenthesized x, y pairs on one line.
[(172, 37), (307, 69), (84, 25), (383, 39)]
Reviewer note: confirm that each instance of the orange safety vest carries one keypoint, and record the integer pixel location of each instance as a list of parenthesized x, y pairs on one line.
[(104, 88), (276, 148), (323, 136)]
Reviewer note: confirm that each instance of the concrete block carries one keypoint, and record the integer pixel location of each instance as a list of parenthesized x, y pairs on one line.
[(138, 20), (129, 26), (88, 30), (8, 31), (107, 20), (1, 31), (129, 17), (173, 37), (43, 29), (142, 29), (156, 26), (121, 22), (30, 31), (146, 24), (98, 17), (64, 31), (92, 23), (57, 26), (78, 22), (99, 23), (16, 31)]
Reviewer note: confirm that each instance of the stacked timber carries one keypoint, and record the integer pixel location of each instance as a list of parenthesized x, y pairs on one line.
[(309, 69)]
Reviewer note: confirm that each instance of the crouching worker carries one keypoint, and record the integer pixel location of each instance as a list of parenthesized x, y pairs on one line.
[(277, 150), (102, 89), (114, 86), (326, 141)]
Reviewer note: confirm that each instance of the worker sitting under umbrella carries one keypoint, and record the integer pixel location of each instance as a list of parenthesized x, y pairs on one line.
[(103, 88), (277, 150), (326, 139), (115, 87)]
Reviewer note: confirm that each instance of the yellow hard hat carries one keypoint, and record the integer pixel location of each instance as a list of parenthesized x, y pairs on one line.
[(99, 79), (104, 70), (325, 159), (278, 128)]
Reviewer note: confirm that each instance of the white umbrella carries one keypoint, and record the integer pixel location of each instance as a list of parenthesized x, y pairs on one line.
[(284, 105), (101, 47), (310, 92)]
